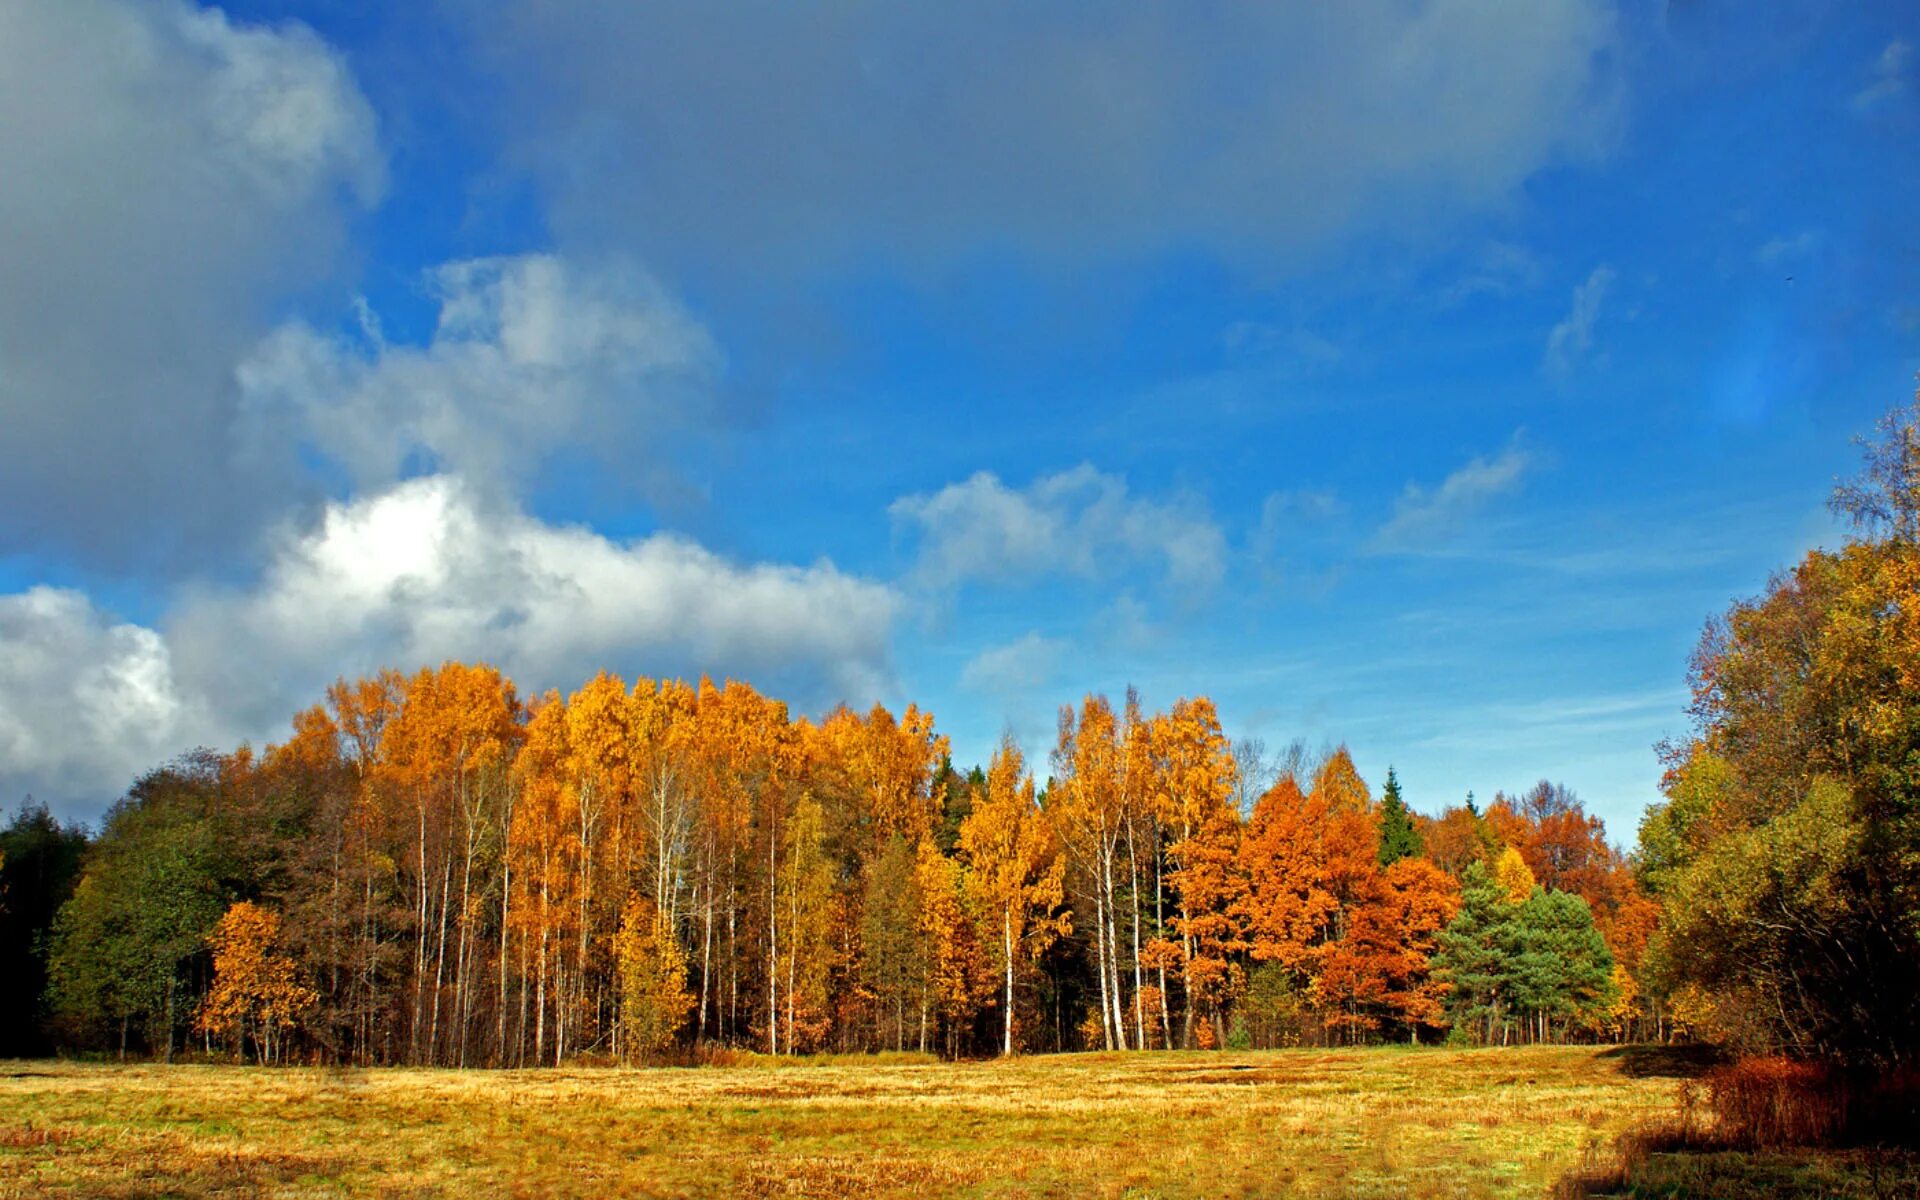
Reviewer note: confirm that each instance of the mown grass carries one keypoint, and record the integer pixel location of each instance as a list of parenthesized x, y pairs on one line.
[(1365, 1123)]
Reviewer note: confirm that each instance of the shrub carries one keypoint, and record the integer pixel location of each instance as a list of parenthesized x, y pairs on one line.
[(1772, 1100)]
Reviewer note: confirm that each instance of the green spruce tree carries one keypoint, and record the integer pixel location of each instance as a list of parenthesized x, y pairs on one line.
[(1563, 973), (1398, 837), (1476, 956)]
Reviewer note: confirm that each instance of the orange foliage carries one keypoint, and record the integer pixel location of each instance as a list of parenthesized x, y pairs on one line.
[(608, 872), (1456, 838), (1312, 865), (1197, 776), (1380, 970), (256, 987)]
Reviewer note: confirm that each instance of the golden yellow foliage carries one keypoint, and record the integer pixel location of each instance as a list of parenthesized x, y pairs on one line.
[(654, 1000), (1513, 875)]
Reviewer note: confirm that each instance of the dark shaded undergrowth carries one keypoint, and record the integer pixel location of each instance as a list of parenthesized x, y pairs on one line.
[(1763, 1127)]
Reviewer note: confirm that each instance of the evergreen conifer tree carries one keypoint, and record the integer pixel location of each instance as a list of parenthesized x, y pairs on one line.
[(1398, 837), (1476, 952)]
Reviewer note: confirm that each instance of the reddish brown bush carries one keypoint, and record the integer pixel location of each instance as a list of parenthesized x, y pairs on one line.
[(1774, 1100)]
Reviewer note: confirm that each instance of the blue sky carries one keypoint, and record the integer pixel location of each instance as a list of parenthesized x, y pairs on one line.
[(1414, 375)]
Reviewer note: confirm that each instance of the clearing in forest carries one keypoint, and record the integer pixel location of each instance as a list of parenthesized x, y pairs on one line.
[(1364, 1122)]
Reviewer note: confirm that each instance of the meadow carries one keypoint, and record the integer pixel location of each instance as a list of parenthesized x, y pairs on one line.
[(1363, 1122)]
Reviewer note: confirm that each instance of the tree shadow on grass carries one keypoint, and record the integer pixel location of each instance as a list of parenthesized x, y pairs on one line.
[(1645, 1061), (1706, 1174)]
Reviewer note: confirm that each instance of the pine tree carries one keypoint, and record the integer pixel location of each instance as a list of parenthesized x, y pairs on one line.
[(1476, 952), (1563, 972), (1398, 837)]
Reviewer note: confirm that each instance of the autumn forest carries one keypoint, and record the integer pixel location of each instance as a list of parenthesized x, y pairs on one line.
[(433, 869)]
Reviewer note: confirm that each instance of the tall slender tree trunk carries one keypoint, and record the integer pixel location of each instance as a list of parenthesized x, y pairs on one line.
[(793, 944), (1159, 930), (733, 953), (1186, 978), (540, 988), (773, 950), (462, 1002), (582, 1013), (1100, 959), (333, 941), (1006, 920), (1139, 1006), (506, 903), (363, 986), (520, 1033), (706, 957), (420, 939), (1112, 935), (440, 960)]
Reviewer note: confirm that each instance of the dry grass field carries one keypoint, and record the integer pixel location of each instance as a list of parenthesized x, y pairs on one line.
[(1382, 1122)]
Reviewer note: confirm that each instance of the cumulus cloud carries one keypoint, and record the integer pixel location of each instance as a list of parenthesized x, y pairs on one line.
[(1571, 341), (530, 353), (429, 570), (924, 133), (171, 175), (1022, 665), (1423, 516), (86, 702), (423, 572), (1081, 522)]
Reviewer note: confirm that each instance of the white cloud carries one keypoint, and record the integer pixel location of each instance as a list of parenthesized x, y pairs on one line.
[(1424, 516), (424, 572), (431, 570), (530, 353), (1080, 522), (1889, 77), (1572, 339), (170, 176), (1023, 665), (86, 703), (281, 106)]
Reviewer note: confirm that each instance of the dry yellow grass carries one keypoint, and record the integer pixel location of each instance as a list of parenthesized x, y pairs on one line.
[(1385, 1123)]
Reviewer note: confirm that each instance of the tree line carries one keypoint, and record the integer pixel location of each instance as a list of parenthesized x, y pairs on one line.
[(1786, 851), (431, 870)]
